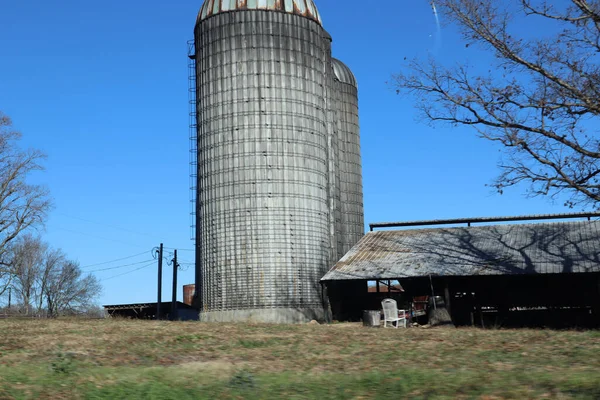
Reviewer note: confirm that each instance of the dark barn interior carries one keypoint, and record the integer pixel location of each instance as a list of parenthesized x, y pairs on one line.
[(519, 275), (182, 311)]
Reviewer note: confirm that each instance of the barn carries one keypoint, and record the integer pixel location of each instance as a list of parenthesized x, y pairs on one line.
[(182, 311), (505, 271)]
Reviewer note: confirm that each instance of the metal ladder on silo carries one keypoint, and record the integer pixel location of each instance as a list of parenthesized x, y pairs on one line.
[(193, 133)]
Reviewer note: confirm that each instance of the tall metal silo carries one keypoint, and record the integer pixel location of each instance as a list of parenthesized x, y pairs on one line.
[(351, 227), (263, 226)]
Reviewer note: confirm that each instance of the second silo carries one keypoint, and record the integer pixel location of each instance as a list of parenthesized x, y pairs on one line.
[(263, 237), (351, 227)]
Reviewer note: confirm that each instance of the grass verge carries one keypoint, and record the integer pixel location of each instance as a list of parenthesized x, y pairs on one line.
[(180, 360)]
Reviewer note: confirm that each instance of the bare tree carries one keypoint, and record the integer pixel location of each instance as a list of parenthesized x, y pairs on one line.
[(540, 99), (40, 275), (68, 291), (53, 260), (28, 255), (22, 205), (43, 277)]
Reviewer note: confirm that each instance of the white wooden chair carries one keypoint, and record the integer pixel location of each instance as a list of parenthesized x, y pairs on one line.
[(391, 313)]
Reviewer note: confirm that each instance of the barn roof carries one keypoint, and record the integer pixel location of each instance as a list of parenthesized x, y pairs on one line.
[(542, 248)]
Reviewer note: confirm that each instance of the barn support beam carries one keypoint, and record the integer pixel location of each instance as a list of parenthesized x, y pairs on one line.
[(471, 308), (326, 303), (478, 311), (447, 297), (596, 306)]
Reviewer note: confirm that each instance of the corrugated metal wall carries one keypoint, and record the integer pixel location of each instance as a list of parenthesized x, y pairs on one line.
[(351, 227), (263, 230), (334, 194)]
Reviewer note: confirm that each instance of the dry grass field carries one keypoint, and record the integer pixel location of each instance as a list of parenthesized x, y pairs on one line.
[(53, 359)]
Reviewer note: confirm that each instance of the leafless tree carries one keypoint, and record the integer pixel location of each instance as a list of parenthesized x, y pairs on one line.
[(53, 260), (46, 279), (540, 98), (22, 205), (27, 264), (68, 290)]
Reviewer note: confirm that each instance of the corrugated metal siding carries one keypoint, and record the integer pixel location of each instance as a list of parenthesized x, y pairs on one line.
[(548, 248), (351, 226), (334, 193), (263, 209)]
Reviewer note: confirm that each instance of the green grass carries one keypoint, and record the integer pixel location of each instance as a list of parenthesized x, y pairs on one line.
[(180, 360)]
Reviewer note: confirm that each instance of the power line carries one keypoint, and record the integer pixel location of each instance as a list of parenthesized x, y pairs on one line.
[(174, 248), (107, 225), (119, 266), (129, 272), (112, 261), (98, 237)]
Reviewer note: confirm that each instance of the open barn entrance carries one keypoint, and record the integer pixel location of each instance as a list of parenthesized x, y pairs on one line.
[(553, 301)]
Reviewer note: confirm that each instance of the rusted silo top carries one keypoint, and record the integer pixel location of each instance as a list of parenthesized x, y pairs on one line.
[(305, 8)]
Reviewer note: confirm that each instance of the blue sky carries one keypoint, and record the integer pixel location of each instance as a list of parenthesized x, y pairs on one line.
[(102, 89)]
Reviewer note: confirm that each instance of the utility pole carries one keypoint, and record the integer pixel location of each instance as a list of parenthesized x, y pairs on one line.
[(160, 259), (174, 301)]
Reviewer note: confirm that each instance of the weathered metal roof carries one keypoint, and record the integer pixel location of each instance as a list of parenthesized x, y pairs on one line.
[(305, 8), (543, 248), (343, 73)]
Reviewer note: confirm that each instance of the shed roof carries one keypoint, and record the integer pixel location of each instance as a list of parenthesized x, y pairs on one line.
[(542, 248)]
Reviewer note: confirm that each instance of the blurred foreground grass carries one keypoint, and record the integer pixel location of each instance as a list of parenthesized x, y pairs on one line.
[(180, 360)]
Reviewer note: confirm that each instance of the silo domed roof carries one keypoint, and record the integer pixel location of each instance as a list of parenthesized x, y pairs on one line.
[(305, 8), (343, 73)]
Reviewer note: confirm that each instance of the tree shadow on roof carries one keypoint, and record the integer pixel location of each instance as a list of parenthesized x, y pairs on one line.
[(482, 250)]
